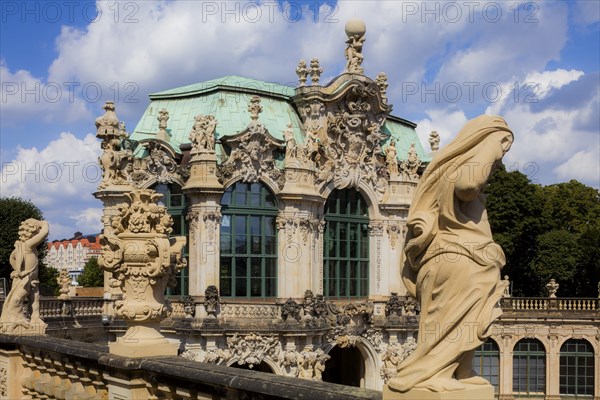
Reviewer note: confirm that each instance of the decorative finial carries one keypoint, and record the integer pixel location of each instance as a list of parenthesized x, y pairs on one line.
[(163, 117), (315, 71), (552, 288), (254, 108), (434, 140), (302, 73), (382, 81), (107, 124), (355, 30)]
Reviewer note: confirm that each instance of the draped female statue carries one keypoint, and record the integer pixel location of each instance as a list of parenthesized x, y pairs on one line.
[(16, 318), (452, 264)]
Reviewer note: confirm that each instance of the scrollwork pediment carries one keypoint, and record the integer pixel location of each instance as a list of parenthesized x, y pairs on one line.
[(159, 166), (252, 155)]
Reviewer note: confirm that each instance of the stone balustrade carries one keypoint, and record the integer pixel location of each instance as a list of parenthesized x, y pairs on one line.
[(50, 368), (545, 303)]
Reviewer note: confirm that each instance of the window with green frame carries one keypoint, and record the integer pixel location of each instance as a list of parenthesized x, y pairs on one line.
[(529, 367), (577, 368), (486, 362), (346, 247), (174, 200), (248, 249)]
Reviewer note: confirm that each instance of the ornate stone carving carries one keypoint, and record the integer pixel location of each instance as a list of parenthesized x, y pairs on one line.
[(189, 307), (212, 219), (552, 288), (253, 348), (394, 305), (310, 364), (159, 167), (395, 232), (391, 159), (3, 382), (315, 72), (434, 140), (290, 309), (21, 308), (393, 356), (302, 73), (192, 219), (162, 117), (382, 81), (411, 306), (355, 30), (410, 166), (64, 281), (202, 135), (114, 159), (143, 261), (249, 311), (211, 300), (375, 229), (289, 225), (252, 155)]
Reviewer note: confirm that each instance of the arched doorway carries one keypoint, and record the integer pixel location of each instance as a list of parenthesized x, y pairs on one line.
[(345, 367), (262, 367)]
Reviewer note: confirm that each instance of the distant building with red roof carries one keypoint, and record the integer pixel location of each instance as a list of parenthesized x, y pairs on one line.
[(72, 254)]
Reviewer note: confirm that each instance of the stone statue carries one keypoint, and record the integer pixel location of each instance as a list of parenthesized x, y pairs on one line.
[(552, 288), (506, 287), (17, 318), (290, 142), (434, 140), (391, 158), (355, 30), (452, 264), (202, 135), (64, 281)]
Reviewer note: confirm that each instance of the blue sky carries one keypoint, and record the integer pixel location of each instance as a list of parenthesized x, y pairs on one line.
[(535, 63)]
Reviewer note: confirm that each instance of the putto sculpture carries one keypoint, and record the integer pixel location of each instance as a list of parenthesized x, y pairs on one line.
[(21, 309), (143, 260), (452, 263)]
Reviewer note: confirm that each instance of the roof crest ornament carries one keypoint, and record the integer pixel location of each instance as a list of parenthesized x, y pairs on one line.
[(355, 30)]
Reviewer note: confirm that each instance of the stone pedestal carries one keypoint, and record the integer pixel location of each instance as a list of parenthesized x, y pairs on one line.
[(481, 392), (203, 171), (143, 340)]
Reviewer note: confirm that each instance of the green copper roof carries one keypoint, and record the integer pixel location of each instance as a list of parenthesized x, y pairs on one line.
[(227, 99), (235, 83), (405, 136)]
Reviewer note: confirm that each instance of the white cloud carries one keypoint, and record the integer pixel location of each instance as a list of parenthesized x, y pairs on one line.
[(583, 166), (59, 179), (447, 123), (24, 97)]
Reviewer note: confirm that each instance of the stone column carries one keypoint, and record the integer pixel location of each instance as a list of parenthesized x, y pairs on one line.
[(11, 371), (552, 368), (506, 344), (299, 230), (204, 216)]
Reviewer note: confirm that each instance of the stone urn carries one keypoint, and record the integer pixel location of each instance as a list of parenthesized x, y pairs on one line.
[(143, 261)]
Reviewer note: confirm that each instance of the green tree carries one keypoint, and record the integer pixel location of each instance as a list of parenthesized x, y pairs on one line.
[(13, 211), (92, 275), (514, 213), (546, 232)]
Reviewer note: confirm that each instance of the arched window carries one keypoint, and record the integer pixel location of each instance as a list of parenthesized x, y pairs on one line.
[(486, 362), (248, 242), (346, 247), (174, 199), (529, 367), (577, 368)]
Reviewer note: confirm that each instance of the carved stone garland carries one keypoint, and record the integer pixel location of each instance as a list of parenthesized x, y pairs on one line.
[(143, 260), (252, 156)]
